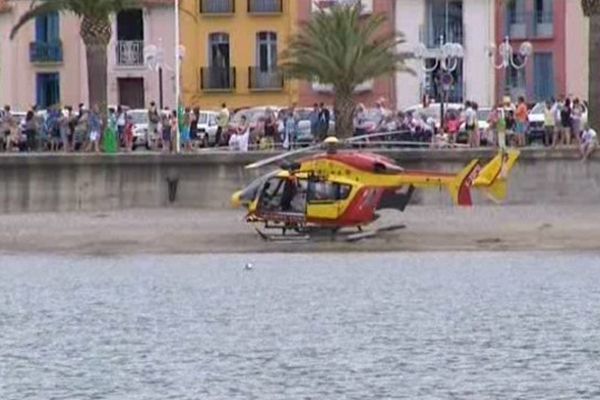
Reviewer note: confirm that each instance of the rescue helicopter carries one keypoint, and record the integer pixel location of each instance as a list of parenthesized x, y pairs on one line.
[(338, 189)]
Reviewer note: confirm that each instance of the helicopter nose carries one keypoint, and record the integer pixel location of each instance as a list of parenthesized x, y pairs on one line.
[(236, 199)]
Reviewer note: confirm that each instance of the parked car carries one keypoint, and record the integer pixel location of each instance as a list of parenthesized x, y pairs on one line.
[(140, 121), (207, 128)]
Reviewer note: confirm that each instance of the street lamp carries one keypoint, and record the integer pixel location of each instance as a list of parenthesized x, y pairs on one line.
[(446, 57), (155, 57), (507, 53)]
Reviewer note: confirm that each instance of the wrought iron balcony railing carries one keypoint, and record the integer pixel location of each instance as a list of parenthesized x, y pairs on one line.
[(217, 6), (46, 52), (130, 52), (264, 80), (217, 78)]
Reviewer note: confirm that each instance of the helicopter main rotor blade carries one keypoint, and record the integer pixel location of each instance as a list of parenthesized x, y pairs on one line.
[(282, 156), (353, 139)]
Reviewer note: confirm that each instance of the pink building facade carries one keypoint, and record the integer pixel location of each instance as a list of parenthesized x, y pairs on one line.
[(45, 64), (557, 29), (369, 92)]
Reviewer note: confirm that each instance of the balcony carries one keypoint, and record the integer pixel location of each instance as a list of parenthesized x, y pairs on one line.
[(529, 25), (46, 52), (130, 53), (217, 79), (217, 7), (366, 5), (265, 6), (264, 80)]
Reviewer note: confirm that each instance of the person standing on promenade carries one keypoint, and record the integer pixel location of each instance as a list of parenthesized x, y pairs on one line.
[(128, 134), (314, 122), (324, 118), (589, 142), (521, 117), (153, 122), (64, 123), (94, 120), (270, 129), (556, 108), (194, 117), (576, 118), (565, 122), (30, 131), (470, 123), (121, 121), (165, 133), (549, 123), (222, 122), (6, 122), (185, 131)]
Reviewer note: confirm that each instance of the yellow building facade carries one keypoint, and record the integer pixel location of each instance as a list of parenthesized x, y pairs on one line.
[(232, 51)]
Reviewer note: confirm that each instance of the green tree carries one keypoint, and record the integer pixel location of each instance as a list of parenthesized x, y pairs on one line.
[(591, 9), (95, 31), (339, 47)]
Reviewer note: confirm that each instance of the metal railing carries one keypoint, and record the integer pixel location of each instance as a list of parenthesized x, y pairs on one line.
[(216, 78), (265, 80), (217, 6), (431, 34), (46, 52), (527, 25), (265, 6), (130, 52)]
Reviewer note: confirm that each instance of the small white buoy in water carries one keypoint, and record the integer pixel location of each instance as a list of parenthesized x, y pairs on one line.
[(248, 266)]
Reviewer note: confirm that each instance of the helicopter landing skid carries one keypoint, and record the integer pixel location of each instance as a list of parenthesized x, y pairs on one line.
[(361, 235), (306, 236)]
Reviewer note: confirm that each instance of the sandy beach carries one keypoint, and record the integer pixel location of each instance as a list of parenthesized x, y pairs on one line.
[(185, 231)]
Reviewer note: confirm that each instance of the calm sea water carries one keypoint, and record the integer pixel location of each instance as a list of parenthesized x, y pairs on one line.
[(357, 326)]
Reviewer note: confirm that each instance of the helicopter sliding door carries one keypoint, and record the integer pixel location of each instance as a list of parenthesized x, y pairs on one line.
[(283, 196)]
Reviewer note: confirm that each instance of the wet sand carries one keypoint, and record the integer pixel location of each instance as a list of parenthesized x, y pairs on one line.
[(182, 231)]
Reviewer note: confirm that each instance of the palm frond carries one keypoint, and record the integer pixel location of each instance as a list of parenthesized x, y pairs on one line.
[(37, 10), (343, 48)]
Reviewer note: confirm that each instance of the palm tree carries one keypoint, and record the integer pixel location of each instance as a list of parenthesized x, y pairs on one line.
[(341, 48), (591, 8), (95, 31)]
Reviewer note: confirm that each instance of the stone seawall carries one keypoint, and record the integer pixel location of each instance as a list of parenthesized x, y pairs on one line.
[(82, 182)]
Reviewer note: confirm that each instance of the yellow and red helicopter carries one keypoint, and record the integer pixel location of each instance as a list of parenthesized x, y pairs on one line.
[(339, 189)]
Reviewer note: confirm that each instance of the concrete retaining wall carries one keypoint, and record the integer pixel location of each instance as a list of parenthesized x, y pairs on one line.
[(39, 183)]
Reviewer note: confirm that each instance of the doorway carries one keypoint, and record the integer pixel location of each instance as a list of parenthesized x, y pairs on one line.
[(131, 92)]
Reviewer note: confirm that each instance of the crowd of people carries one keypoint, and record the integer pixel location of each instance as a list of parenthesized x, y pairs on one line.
[(65, 129)]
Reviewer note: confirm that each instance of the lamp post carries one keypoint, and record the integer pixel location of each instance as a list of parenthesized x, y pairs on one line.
[(154, 56), (507, 53), (446, 57)]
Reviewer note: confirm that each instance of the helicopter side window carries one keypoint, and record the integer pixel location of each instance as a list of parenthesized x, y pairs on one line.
[(322, 191)]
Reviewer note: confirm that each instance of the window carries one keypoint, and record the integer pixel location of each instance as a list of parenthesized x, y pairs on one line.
[(543, 70), (516, 26), (218, 44), (266, 51), (47, 28), (47, 89), (217, 6), (265, 6), (324, 191), (544, 18), (445, 19)]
